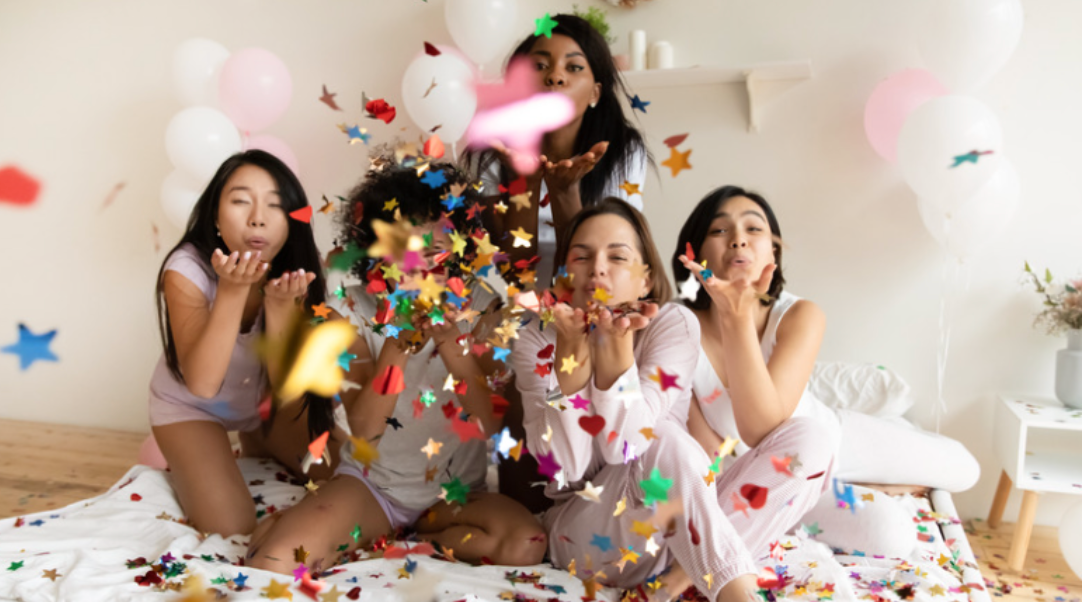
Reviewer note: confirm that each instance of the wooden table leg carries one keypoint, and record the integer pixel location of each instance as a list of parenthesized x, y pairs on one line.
[(1022, 531), (999, 503)]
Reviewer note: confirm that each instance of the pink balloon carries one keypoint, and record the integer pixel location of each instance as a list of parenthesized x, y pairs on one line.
[(275, 146), (254, 88), (891, 103), (150, 455)]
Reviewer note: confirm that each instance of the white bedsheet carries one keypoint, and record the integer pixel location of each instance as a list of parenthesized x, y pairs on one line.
[(91, 550)]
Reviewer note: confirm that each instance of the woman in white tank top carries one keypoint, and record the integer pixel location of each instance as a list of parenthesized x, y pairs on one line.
[(751, 382)]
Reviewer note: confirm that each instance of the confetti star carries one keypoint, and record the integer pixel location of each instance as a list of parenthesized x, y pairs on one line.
[(50, 574), (432, 449), (345, 359), (505, 442), (971, 157), (547, 465), (277, 590), (648, 433), (393, 422), (781, 464), (677, 161), (522, 237), (357, 134), (363, 451), (601, 542), (16, 565), (646, 529), (32, 347), (601, 295), (638, 103), (568, 364), (656, 488), (579, 402), (664, 379), (590, 492), (630, 188), (328, 99), (811, 530), (544, 26), (454, 491), (321, 311), (629, 555), (330, 595), (434, 179)]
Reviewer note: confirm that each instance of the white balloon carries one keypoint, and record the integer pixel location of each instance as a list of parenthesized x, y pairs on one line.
[(966, 42), (180, 191), (199, 139), (483, 29), (450, 104), (1070, 538), (977, 221), (196, 65), (940, 131)]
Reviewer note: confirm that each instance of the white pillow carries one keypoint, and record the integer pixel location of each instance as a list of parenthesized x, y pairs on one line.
[(864, 388)]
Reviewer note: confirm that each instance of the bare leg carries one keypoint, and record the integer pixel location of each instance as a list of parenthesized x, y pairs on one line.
[(287, 442), (490, 526), (208, 483), (324, 524)]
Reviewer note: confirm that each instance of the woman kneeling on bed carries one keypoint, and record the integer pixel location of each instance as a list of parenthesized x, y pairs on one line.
[(751, 398), (242, 270), (423, 410)]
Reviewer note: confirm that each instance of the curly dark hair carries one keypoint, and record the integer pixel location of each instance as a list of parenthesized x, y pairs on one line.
[(415, 201)]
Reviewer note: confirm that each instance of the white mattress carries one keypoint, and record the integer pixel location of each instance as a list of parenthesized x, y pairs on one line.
[(95, 547)]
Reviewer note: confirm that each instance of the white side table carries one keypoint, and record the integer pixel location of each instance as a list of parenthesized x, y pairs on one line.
[(1021, 422)]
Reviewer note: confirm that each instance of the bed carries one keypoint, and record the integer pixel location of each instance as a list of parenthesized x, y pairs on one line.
[(131, 543)]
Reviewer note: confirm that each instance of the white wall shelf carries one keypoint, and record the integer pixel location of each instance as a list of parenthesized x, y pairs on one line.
[(751, 76)]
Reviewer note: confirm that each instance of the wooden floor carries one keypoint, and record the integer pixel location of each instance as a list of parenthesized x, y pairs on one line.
[(44, 466), (47, 466)]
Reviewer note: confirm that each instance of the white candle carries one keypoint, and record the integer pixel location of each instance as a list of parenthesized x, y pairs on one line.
[(661, 56), (637, 50)]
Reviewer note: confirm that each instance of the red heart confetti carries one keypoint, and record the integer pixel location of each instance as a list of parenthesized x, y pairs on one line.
[(135, 497), (431, 50), (676, 140), (695, 539), (592, 424), (755, 495)]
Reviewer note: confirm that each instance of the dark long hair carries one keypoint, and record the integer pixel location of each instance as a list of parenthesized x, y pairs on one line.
[(605, 122), (299, 252), (697, 227), (660, 291)]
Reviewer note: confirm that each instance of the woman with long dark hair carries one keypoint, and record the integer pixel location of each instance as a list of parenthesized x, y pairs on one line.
[(242, 270), (589, 159)]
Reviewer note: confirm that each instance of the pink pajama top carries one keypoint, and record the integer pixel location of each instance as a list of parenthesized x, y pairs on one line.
[(656, 387), (236, 405)]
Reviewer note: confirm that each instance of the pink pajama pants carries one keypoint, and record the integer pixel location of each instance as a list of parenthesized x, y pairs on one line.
[(724, 525)]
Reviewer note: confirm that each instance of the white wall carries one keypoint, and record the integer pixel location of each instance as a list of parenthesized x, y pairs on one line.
[(85, 96)]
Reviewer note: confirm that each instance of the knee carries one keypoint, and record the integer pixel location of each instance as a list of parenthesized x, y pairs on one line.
[(525, 546), (814, 439)]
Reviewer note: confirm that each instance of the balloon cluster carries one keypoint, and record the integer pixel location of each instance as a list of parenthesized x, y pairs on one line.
[(949, 146), (438, 88), (228, 99)]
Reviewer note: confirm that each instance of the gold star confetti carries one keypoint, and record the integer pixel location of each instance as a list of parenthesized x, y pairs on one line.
[(521, 201), (277, 590), (648, 433), (363, 452), (311, 486), (568, 364), (522, 237), (50, 574), (620, 507), (644, 529), (630, 188), (300, 555), (602, 295), (677, 161)]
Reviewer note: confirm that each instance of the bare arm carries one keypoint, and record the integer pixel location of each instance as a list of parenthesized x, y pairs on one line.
[(765, 395), (205, 336)]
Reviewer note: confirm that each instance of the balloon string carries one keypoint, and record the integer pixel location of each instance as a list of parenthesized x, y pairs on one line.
[(943, 346)]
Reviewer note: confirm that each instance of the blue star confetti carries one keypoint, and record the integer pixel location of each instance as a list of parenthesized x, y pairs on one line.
[(32, 347)]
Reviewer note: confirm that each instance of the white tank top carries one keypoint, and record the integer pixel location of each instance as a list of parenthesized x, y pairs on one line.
[(714, 397)]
